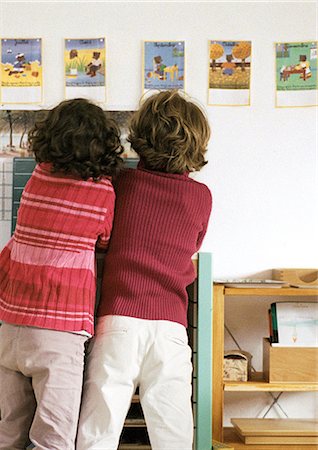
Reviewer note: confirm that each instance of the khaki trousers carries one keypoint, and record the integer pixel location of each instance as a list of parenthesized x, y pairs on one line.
[(40, 387)]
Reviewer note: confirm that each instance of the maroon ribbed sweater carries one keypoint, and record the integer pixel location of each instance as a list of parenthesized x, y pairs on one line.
[(160, 221)]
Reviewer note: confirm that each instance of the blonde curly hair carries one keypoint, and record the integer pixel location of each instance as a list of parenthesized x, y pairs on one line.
[(170, 133)]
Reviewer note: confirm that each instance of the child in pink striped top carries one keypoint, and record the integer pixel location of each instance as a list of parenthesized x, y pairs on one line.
[(47, 275)]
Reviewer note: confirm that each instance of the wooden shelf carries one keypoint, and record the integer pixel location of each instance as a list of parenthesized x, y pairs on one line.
[(232, 439), (135, 399), (258, 384), (134, 447), (135, 423), (272, 292)]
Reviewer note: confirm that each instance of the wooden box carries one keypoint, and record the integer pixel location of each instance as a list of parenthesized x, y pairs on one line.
[(290, 364), (298, 277)]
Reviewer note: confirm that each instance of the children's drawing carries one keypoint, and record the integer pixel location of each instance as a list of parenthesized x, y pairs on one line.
[(85, 68), (296, 73), (84, 62), (163, 65), (229, 72), (21, 70), (15, 125), (296, 66)]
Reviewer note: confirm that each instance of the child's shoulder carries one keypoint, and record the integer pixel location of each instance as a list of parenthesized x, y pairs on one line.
[(201, 187)]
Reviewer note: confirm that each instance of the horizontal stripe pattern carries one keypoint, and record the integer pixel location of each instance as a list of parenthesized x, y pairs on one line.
[(47, 269), (43, 175)]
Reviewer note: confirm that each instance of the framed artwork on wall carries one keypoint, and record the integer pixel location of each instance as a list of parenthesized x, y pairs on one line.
[(163, 65), (85, 69), (229, 73), (21, 71)]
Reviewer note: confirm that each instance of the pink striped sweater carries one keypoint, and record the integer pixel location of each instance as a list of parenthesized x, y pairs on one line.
[(47, 269)]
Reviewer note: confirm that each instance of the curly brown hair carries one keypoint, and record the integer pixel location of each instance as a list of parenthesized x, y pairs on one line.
[(78, 139), (170, 133)]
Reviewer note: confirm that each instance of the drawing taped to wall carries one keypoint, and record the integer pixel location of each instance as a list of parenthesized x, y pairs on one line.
[(163, 65), (296, 74), (85, 69), (15, 125), (21, 71), (229, 73)]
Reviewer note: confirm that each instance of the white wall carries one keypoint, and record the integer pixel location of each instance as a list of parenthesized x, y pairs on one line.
[(262, 160)]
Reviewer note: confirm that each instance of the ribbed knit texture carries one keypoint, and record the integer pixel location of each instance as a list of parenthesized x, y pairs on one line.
[(160, 221), (47, 270)]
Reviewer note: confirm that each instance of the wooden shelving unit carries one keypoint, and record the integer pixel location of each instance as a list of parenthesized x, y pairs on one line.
[(257, 384)]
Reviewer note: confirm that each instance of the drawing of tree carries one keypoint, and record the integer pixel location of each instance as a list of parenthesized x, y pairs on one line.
[(216, 51), (286, 52), (24, 122), (16, 122), (9, 119), (242, 50)]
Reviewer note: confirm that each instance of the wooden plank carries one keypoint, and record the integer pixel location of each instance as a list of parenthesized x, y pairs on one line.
[(203, 436), (257, 386), (273, 292), (218, 354), (276, 427), (231, 438), (135, 399), (283, 440), (134, 447), (258, 383)]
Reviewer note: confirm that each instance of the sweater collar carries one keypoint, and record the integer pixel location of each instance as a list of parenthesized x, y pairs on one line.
[(141, 166)]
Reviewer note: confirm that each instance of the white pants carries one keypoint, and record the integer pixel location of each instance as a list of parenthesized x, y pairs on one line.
[(128, 352), (41, 374)]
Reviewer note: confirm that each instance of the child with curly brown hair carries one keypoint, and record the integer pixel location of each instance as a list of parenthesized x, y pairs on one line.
[(161, 218), (47, 275)]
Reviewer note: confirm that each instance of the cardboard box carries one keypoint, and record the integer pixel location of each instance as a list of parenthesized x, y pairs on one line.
[(290, 364), (236, 366)]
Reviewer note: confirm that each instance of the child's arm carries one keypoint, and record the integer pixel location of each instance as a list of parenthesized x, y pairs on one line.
[(103, 239), (206, 221), (201, 236)]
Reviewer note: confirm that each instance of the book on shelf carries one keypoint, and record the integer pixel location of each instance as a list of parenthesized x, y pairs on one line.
[(294, 324), (251, 283)]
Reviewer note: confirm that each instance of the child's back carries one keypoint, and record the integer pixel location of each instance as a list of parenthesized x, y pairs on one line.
[(159, 224), (47, 275), (52, 252), (161, 217)]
